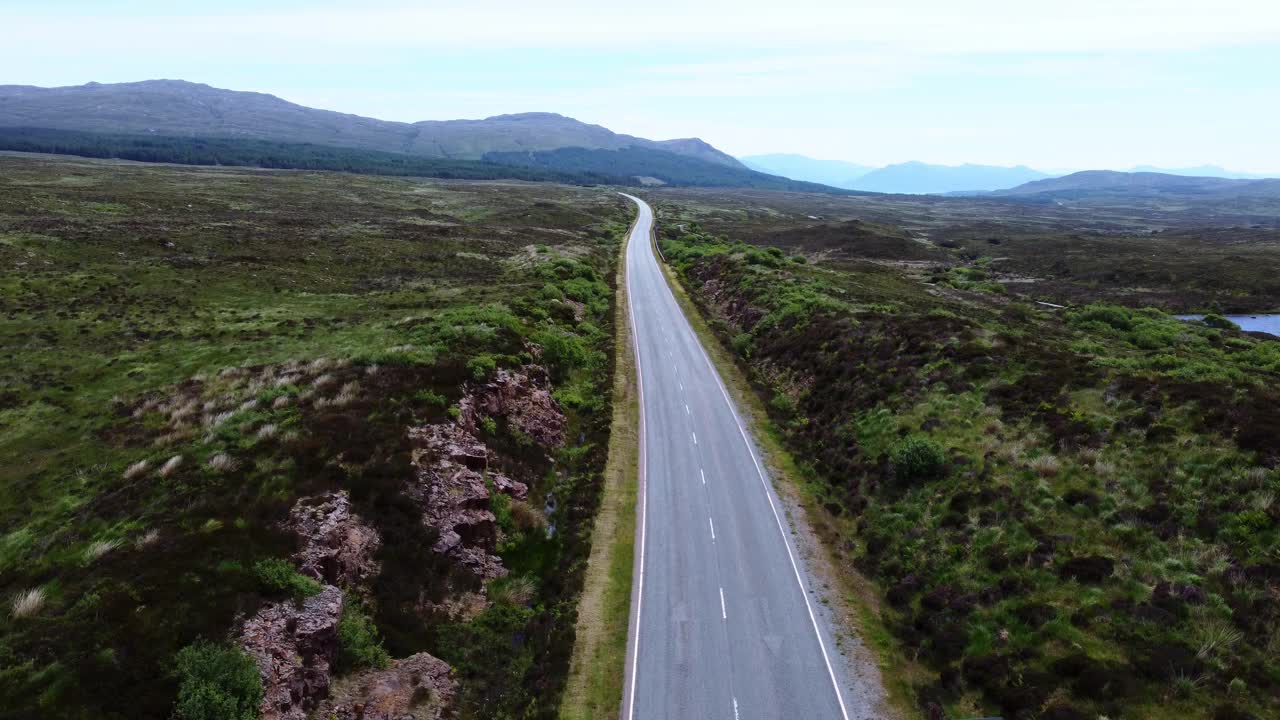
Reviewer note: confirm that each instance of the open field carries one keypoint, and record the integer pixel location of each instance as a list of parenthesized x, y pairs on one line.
[(1211, 255), (1069, 514), (190, 351)]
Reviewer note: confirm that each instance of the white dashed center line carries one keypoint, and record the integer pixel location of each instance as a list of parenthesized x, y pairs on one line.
[(713, 528), (703, 475), (695, 437), (723, 614)]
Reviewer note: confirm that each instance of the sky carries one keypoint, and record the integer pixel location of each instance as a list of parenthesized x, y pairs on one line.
[(1054, 85)]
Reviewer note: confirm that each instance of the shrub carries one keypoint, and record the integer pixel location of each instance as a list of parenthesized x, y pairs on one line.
[(217, 683), (918, 458), (278, 576), (358, 643), (1214, 320), (481, 365)]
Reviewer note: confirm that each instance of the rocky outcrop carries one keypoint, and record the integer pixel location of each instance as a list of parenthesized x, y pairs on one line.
[(334, 545), (450, 487), (419, 687), (455, 471), (523, 398), (294, 645)]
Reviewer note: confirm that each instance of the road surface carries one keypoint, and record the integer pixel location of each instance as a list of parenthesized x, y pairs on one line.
[(723, 623)]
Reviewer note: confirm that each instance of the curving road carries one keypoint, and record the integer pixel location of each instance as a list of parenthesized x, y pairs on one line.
[(722, 617)]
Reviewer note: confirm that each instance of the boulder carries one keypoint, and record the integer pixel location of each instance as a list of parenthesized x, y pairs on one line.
[(294, 644), (419, 687)]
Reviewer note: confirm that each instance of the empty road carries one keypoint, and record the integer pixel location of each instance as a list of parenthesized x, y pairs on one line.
[(722, 621)]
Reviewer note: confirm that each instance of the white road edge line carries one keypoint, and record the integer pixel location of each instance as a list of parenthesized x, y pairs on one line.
[(640, 475), (723, 615), (813, 619)]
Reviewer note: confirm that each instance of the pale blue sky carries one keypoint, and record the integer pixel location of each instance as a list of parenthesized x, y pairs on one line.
[(1086, 83)]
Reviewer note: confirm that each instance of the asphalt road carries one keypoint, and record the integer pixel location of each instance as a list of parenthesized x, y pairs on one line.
[(723, 622)]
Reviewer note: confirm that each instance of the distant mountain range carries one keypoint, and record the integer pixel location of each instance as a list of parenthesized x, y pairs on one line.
[(185, 122), (925, 178), (919, 178), (836, 173)]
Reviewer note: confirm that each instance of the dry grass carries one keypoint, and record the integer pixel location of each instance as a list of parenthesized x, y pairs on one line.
[(136, 470), (281, 402), (98, 548), (347, 394), (146, 539), (27, 603), (213, 421), (222, 463), (526, 517), (324, 380), (1045, 465), (267, 431), (170, 465)]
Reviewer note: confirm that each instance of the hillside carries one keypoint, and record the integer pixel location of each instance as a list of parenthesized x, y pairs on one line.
[(836, 173), (1094, 183), (647, 163), (923, 178), (180, 108)]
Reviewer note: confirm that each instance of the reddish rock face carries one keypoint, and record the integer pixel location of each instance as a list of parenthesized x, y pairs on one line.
[(334, 545), (294, 646), (524, 399), (420, 687)]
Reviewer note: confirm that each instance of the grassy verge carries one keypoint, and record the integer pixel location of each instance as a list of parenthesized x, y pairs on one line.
[(596, 672), (860, 603)]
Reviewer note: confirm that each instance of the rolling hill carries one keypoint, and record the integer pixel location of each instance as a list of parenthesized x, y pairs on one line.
[(184, 109), (1103, 183)]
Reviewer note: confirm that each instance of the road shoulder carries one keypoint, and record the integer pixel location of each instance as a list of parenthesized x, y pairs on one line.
[(596, 671)]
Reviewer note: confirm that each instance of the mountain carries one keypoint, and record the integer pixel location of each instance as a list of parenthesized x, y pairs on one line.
[(650, 165), (922, 178), (837, 173), (178, 108), (1109, 183), (1201, 171)]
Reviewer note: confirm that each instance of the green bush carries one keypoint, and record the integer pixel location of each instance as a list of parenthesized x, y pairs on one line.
[(918, 458), (359, 645), (278, 576), (217, 682), (1214, 320)]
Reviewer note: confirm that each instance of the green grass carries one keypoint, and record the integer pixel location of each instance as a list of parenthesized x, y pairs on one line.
[(277, 332), (596, 677)]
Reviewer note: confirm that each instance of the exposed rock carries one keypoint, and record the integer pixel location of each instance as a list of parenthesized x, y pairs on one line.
[(293, 646), (335, 545), (419, 687), (524, 399), (451, 490)]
